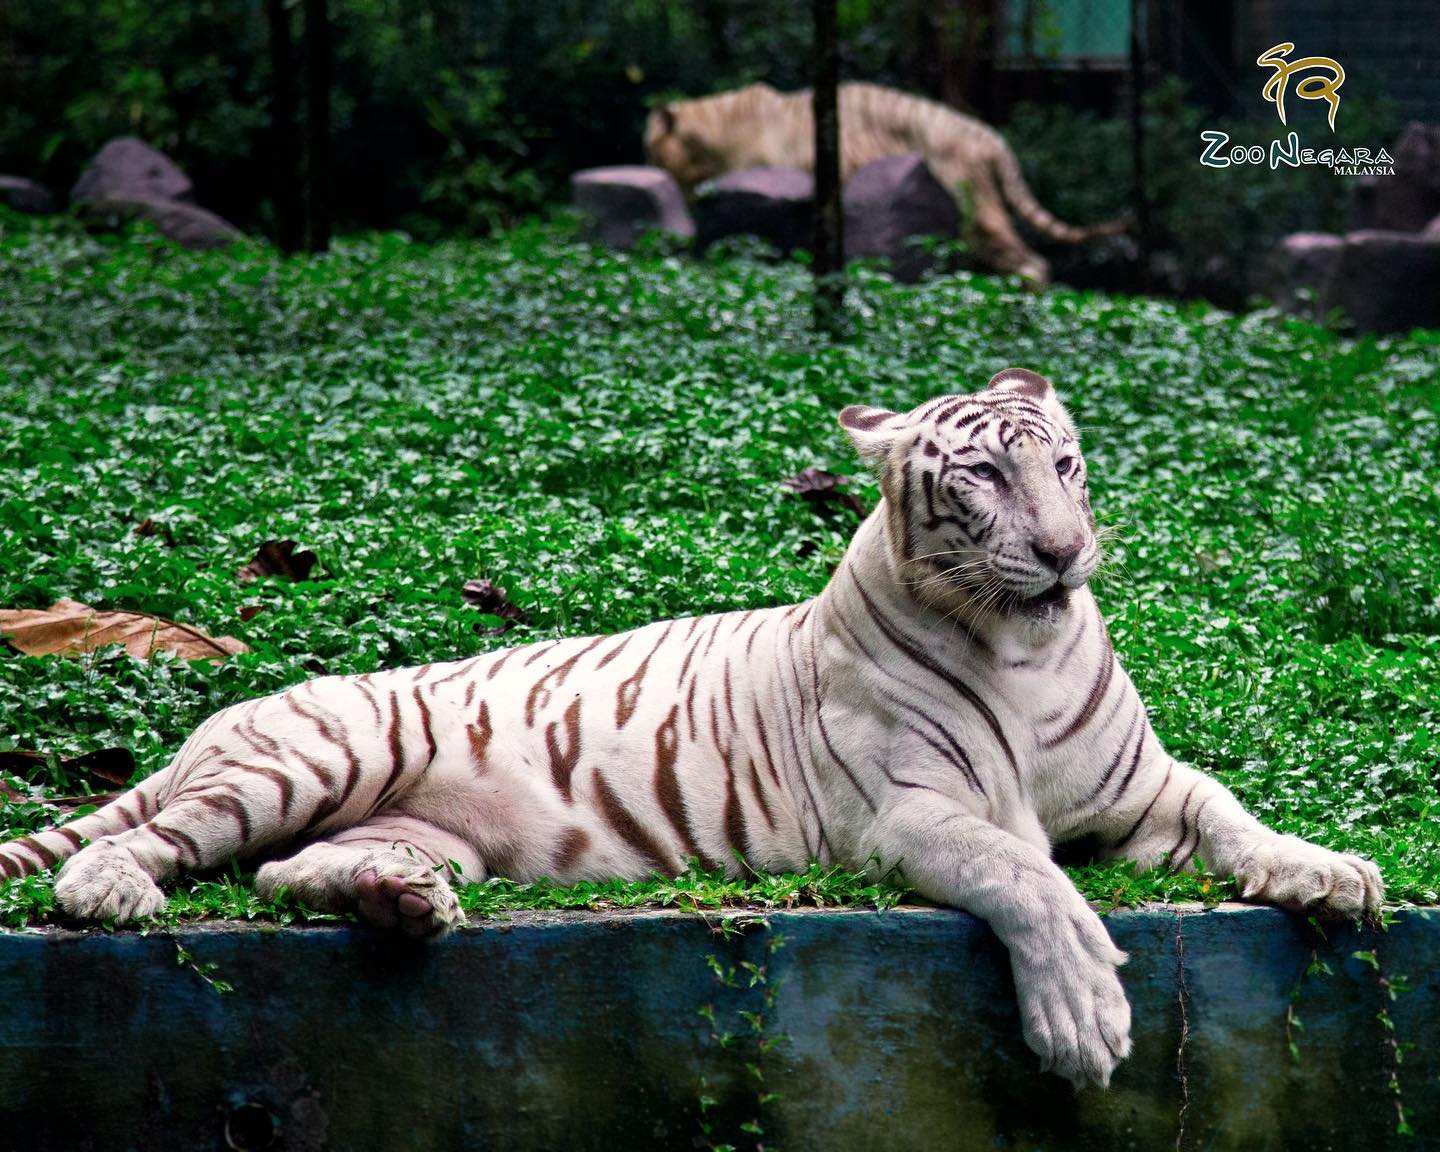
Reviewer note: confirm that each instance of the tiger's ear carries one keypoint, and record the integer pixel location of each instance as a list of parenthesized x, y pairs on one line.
[(873, 431), (665, 119), (1023, 381)]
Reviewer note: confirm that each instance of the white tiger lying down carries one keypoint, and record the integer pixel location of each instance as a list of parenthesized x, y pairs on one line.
[(949, 703)]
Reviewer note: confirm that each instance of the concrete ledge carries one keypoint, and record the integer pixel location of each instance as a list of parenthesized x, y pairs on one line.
[(898, 1031)]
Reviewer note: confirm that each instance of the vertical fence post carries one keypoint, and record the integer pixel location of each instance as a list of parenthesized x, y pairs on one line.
[(285, 177), (829, 262), (1139, 198), (317, 126)]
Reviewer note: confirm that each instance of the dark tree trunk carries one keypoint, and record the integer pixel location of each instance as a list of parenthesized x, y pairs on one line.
[(285, 172), (974, 87), (1141, 201), (317, 126), (829, 221)]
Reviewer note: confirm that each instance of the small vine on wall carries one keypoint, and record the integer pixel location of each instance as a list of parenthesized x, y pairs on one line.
[(747, 1035)]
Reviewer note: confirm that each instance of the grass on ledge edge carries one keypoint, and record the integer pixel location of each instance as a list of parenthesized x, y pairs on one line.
[(30, 901)]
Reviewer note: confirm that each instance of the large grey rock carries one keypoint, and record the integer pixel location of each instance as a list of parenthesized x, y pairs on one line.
[(1387, 281), (1381, 281), (619, 203), (25, 195), (891, 200), (129, 169), (186, 224), (775, 204), (1300, 270), (1408, 200)]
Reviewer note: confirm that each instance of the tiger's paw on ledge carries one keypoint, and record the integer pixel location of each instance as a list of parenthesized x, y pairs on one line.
[(1304, 877), (105, 882), (1073, 1007), (392, 891)]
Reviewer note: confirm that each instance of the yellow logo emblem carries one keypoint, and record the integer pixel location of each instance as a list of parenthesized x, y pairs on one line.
[(1323, 87)]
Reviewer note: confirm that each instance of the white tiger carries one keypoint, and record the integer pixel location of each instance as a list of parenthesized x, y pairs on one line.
[(949, 704), (760, 127)]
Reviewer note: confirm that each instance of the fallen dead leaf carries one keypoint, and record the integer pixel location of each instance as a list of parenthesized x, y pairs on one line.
[(491, 599), (106, 767), (65, 803), (69, 628), (148, 527), (113, 766), (248, 612), (278, 558), (817, 487)]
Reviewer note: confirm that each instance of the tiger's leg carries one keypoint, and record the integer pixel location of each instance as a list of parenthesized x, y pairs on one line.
[(116, 876), (1179, 814), (208, 813), (1072, 1004), (995, 238), (394, 870)]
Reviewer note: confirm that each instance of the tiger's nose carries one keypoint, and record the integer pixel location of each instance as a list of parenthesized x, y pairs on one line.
[(1060, 559)]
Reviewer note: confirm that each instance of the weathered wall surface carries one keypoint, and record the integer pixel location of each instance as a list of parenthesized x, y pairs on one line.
[(892, 1031)]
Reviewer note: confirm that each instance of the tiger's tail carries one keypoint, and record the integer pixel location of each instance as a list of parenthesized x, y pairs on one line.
[(29, 854), (1022, 201)]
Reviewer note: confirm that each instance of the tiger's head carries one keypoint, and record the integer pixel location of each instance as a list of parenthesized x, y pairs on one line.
[(679, 146), (987, 507), (697, 140)]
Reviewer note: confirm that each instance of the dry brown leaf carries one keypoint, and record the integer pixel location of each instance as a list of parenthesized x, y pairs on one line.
[(277, 558), (69, 628), (148, 527), (817, 487), (491, 599), (112, 766), (64, 803), (109, 767)]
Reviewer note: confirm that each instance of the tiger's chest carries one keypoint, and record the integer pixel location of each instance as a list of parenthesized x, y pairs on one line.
[(1081, 730)]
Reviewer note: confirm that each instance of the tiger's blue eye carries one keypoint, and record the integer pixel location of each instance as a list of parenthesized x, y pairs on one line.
[(984, 471), (1065, 466)]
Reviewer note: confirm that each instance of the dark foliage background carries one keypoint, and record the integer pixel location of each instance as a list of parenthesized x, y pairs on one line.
[(464, 115)]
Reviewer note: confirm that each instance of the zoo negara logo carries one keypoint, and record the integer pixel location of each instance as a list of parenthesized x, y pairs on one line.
[(1322, 84), (1323, 87)]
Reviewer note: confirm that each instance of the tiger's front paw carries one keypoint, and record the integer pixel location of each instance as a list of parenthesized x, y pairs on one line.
[(1072, 1004), (1304, 877), (393, 890)]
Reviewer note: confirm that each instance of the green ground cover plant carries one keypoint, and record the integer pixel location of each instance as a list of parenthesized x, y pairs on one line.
[(605, 437)]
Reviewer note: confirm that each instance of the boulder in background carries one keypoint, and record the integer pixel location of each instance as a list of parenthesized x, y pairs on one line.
[(887, 202), (1302, 265), (1408, 200), (186, 224), (129, 169), (619, 203), (1381, 281), (26, 195), (1386, 281), (774, 204)]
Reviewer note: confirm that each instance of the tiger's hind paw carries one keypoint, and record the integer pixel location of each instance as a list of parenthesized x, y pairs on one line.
[(393, 890), (105, 882)]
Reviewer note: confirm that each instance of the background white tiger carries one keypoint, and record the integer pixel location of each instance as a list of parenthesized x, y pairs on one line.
[(761, 127), (949, 703)]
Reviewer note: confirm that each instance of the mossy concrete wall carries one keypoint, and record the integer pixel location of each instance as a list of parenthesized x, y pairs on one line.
[(893, 1030)]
